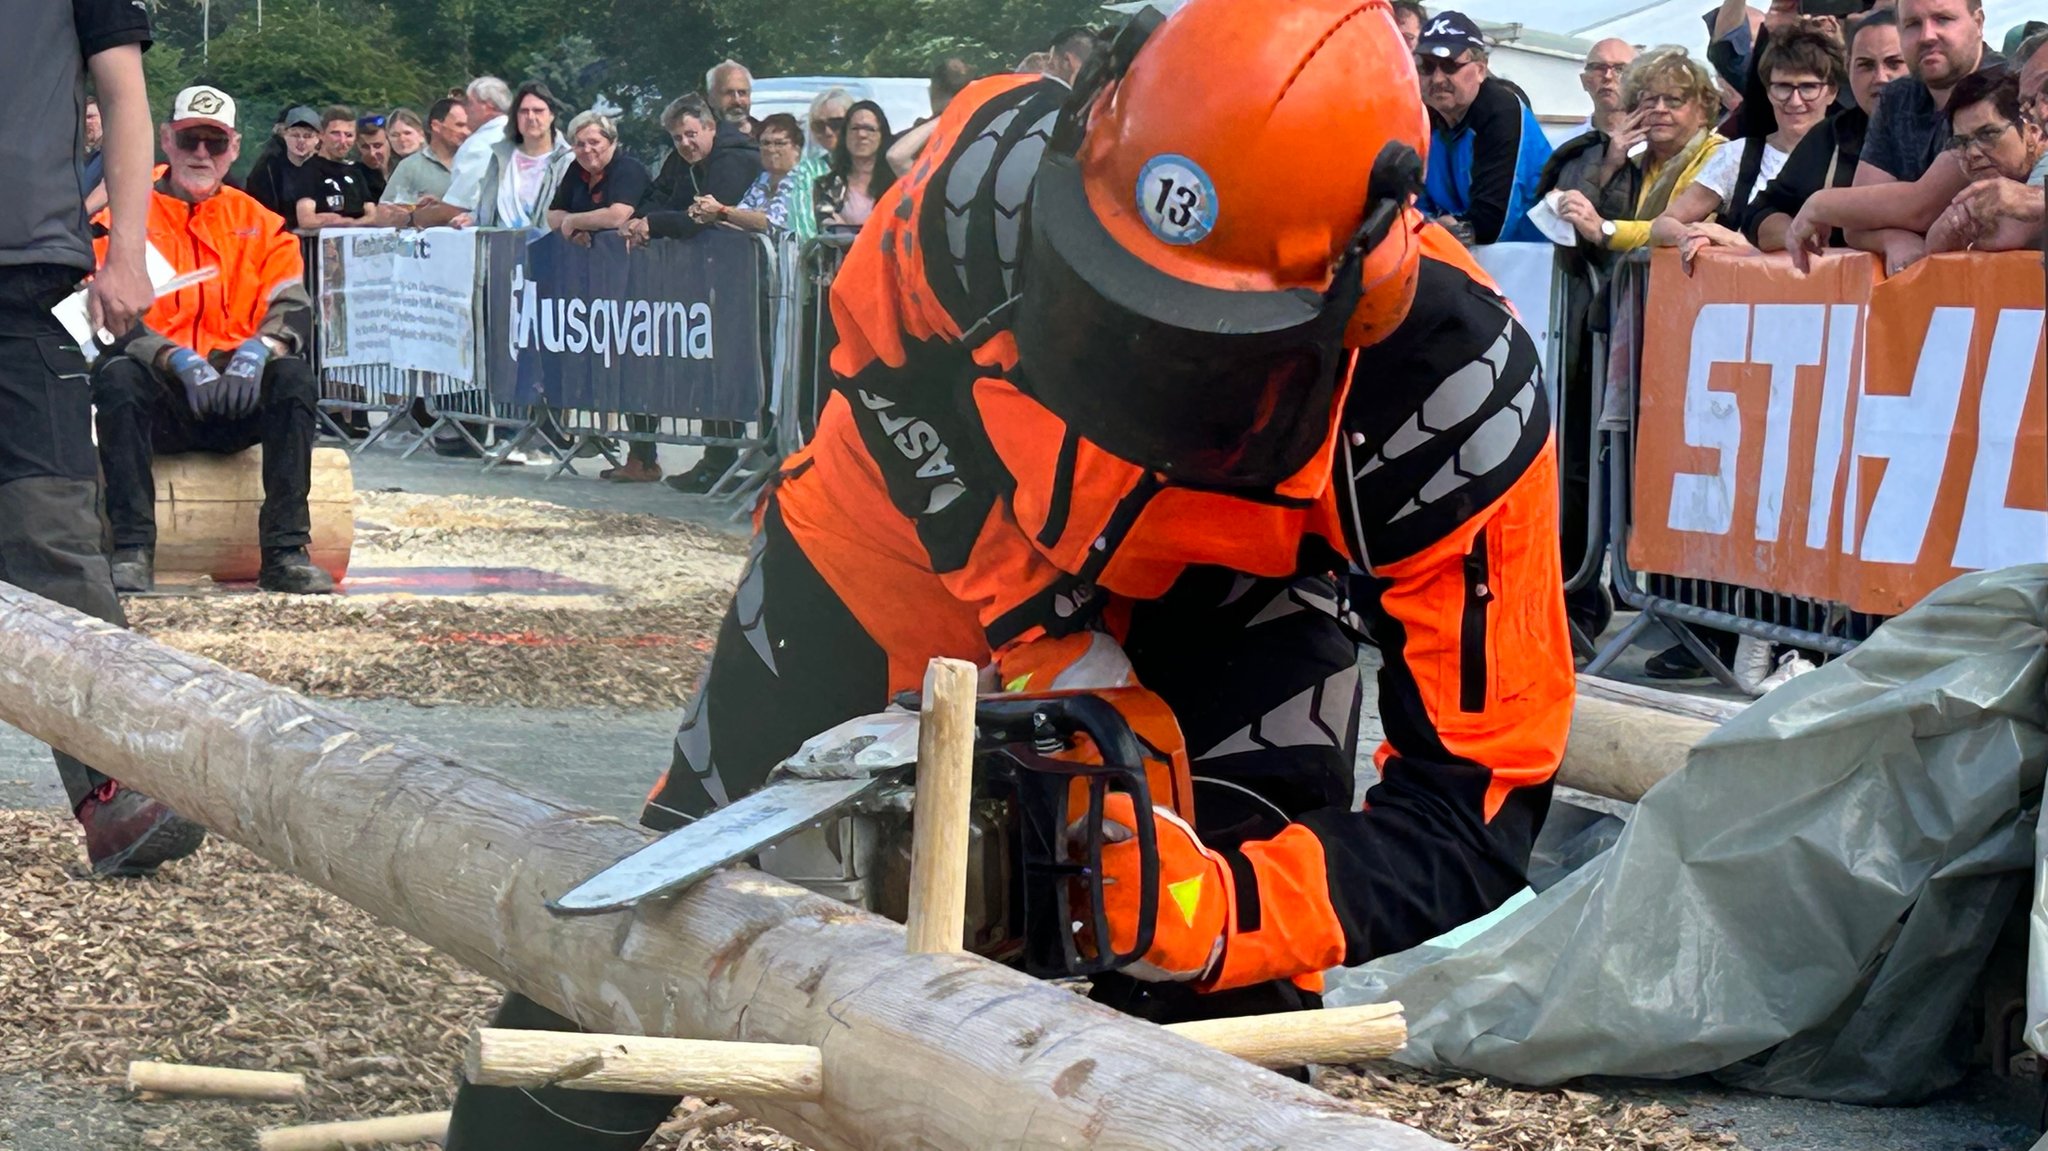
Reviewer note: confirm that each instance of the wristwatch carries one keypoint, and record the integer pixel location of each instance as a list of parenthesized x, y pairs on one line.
[(1607, 228)]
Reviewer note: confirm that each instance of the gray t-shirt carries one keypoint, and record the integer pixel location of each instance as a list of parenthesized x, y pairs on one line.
[(1907, 132), (42, 87), (420, 174)]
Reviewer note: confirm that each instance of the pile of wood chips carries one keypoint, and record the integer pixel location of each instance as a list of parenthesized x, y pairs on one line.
[(222, 960), (638, 644)]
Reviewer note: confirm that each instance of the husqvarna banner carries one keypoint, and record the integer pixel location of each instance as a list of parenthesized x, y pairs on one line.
[(1839, 435), (670, 329)]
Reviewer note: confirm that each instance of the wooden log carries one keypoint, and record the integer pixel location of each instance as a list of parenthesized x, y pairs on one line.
[(937, 922), (935, 1051), (644, 1064), (206, 509), (215, 1082), (429, 1127), (1625, 739), (1298, 1038)]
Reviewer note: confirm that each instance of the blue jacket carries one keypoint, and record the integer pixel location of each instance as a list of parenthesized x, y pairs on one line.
[(1485, 170)]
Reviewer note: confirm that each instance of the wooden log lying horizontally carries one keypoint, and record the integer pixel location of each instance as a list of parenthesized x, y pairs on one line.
[(1332, 1035), (501, 1057), (645, 1064), (936, 1051), (430, 1127), (1625, 738), (206, 509), (215, 1082)]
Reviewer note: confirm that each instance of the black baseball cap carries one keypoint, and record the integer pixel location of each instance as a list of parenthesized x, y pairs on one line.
[(1447, 34), (302, 115)]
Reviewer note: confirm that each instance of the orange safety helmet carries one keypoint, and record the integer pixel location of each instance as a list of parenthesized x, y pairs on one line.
[(1212, 211)]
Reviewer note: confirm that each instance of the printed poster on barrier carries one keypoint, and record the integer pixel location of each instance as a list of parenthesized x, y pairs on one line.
[(404, 300), (672, 328), (1838, 437)]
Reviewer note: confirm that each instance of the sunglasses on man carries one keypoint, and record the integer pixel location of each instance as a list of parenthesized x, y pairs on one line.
[(199, 140), (1431, 65), (369, 122)]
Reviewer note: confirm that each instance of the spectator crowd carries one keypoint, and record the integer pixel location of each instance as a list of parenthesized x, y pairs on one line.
[(1898, 130)]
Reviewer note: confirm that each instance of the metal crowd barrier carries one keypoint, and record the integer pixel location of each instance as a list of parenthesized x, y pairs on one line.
[(816, 266), (586, 432), (1679, 603), (366, 403)]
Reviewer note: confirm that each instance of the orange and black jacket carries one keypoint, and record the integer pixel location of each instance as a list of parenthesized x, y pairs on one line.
[(261, 287), (934, 464)]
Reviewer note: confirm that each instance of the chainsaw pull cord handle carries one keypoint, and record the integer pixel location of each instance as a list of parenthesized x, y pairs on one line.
[(1020, 718)]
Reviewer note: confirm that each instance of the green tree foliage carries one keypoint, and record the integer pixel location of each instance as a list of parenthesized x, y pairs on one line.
[(637, 54)]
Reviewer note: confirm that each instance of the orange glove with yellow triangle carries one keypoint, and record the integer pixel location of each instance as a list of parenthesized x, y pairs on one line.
[(1199, 937)]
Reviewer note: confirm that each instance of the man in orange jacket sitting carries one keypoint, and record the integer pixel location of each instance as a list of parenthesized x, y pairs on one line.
[(216, 367)]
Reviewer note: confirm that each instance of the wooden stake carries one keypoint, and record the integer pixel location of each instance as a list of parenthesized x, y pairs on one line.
[(937, 922), (500, 1057), (1297, 1038), (949, 1053), (215, 1082), (431, 1127)]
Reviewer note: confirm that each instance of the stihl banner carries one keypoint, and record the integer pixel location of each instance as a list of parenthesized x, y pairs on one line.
[(1839, 435)]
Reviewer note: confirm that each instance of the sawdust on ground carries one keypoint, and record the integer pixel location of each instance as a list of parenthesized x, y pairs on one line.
[(222, 960), (639, 645)]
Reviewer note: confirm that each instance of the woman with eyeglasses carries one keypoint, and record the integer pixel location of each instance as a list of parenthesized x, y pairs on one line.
[(1803, 69), (1675, 97), (2001, 148), (858, 176), (764, 208)]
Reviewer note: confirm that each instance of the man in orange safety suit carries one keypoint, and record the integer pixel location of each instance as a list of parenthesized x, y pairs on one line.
[(1095, 423)]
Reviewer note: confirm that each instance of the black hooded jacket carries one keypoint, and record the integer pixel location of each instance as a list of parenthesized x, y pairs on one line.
[(725, 173)]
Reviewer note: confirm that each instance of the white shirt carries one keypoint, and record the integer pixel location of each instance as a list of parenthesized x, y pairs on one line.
[(466, 179), (519, 191), (1724, 167)]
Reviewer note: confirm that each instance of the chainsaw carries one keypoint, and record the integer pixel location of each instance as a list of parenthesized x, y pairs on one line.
[(836, 818)]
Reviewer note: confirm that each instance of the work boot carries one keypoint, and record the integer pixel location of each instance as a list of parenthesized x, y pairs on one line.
[(128, 833), (291, 571), (134, 570), (632, 472), (695, 482)]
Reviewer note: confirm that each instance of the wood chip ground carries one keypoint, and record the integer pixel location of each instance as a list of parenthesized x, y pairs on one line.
[(221, 960)]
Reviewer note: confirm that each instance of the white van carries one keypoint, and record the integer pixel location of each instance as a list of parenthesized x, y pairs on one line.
[(905, 100)]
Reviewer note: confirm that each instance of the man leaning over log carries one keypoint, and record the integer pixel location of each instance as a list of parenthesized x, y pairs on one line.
[(216, 367)]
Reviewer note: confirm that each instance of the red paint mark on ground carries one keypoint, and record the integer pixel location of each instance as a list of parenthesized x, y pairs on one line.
[(536, 639)]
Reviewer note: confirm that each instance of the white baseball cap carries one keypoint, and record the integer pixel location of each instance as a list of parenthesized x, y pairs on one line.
[(203, 104)]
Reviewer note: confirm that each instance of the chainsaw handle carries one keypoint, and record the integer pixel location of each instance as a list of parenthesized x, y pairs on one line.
[(1030, 719)]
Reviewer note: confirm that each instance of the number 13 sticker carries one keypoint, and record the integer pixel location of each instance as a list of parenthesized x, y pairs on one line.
[(1176, 198)]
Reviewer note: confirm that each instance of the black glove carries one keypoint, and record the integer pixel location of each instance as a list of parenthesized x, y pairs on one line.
[(242, 383), (202, 383)]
